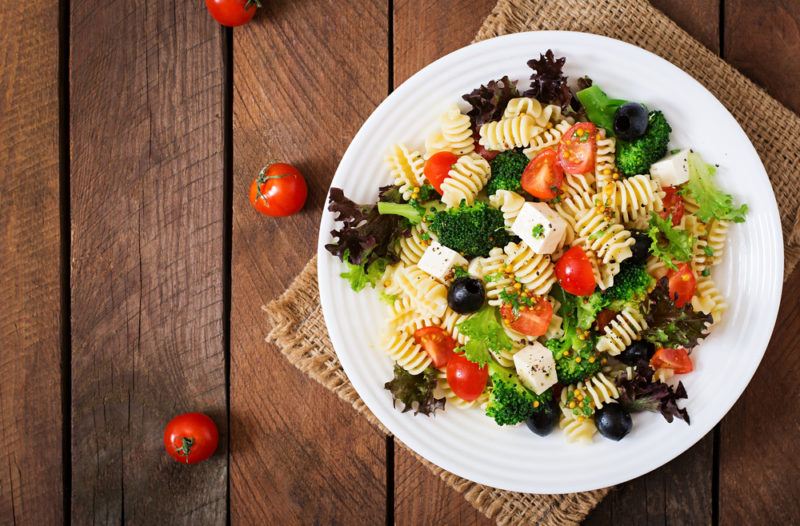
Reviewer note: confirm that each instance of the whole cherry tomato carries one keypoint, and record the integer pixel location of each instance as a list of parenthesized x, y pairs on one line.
[(574, 272), (232, 13), (467, 379), (279, 190), (191, 438)]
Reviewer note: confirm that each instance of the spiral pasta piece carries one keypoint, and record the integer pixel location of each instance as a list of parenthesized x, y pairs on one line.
[(708, 299), (411, 247), (450, 322), (577, 196), (406, 168), (605, 159), (716, 238), (576, 428), (598, 389), (656, 267), (492, 270), (505, 134), (457, 131), (610, 241), (530, 106), (535, 272), (621, 331), (407, 353), (634, 198), (662, 374), (404, 317), (603, 272), (426, 294), (510, 203), (466, 178), (697, 230), (546, 138)]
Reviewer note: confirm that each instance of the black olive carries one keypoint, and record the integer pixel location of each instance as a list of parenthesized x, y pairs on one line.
[(630, 121), (543, 421), (613, 421), (640, 249), (636, 352), (466, 295)]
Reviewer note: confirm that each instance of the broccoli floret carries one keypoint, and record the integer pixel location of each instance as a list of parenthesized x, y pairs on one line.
[(427, 193), (566, 352), (631, 286), (472, 230), (511, 402), (507, 170), (635, 157), (410, 211)]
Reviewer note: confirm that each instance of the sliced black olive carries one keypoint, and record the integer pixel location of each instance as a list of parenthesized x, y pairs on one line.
[(630, 121), (637, 352), (613, 421), (466, 295), (640, 249), (544, 420)]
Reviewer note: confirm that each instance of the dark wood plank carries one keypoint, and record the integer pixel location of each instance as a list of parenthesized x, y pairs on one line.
[(423, 32), (146, 83), (30, 321), (758, 454), (681, 492), (307, 74)]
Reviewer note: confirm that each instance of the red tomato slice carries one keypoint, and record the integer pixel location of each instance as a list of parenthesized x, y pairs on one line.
[(682, 285), (577, 149), (467, 379), (604, 317), (437, 168), (574, 272), (437, 342), (543, 176), (532, 321), (673, 205), (675, 359)]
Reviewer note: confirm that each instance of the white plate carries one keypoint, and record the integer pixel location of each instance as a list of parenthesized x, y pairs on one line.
[(468, 443)]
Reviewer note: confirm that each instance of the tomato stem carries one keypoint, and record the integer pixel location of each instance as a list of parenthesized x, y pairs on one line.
[(257, 3), (263, 178), (186, 447)]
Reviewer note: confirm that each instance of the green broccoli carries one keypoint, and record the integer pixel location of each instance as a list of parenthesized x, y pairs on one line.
[(631, 286), (472, 230), (511, 402), (574, 353), (507, 170), (427, 193), (635, 157), (411, 211)]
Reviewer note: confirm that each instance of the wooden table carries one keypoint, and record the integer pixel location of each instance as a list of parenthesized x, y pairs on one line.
[(132, 268)]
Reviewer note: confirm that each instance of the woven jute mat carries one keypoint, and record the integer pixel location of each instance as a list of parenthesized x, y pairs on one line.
[(298, 328)]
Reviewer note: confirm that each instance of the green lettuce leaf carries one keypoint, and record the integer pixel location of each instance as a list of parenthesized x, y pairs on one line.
[(712, 201), (486, 333), (669, 244)]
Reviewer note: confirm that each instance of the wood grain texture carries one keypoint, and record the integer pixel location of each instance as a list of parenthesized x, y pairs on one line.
[(763, 42), (423, 32), (146, 92), (759, 451), (699, 18), (30, 321), (306, 76)]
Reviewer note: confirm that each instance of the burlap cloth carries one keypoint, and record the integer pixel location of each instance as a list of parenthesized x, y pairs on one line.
[(298, 327)]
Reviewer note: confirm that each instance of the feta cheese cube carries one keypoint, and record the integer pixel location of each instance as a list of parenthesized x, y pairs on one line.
[(438, 260), (540, 227), (672, 170), (536, 367)]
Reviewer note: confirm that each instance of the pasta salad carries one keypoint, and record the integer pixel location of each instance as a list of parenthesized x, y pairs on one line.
[(543, 257)]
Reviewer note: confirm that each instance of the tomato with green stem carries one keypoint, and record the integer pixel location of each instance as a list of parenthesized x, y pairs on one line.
[(191, 438), (232, 13), (279, 190)]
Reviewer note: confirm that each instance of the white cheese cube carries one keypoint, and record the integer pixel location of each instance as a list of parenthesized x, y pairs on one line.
[(536, 367), (540, 227), (671, 170), (438, 260)]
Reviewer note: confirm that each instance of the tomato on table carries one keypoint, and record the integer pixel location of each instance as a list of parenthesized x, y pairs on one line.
[(578, 147), (437, 168), (676, 359), (467, 379), (191, 438), (543, 176), (437, 342), (574, 272), (232, 13), (673, 205), (682, 284), (531, 321), (279, 190)]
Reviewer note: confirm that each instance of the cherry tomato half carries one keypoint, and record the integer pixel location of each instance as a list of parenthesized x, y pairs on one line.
[(279, 190), (673, 205), (577, 149), (531, 321), (574, 272), (467, 379), (682, 285), (437, 168), (543, 176), (191, 438), (437, 342), (675, 359), (232, 13)]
